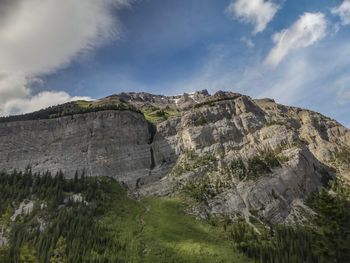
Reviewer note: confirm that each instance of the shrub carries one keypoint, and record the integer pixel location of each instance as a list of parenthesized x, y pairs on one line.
[(256, 166), (238, 168), (200, 121), (200, 190), (343, 156)]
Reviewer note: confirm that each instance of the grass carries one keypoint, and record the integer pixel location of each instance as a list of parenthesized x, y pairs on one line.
[(116, 228), (168, 228), (158, 230), (156, 116)]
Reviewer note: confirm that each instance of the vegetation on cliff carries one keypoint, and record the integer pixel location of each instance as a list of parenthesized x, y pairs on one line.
[(324, 238), (72, 108), (216, 180)]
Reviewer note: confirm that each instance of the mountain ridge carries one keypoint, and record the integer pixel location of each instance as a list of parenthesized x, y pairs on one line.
[(145, 141), (263, 170)]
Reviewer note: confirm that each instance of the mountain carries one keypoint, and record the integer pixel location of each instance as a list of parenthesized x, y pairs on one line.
[(223, 157)]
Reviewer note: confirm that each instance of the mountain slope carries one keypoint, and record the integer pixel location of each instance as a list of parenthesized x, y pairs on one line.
[(152, 158), (222, 158)]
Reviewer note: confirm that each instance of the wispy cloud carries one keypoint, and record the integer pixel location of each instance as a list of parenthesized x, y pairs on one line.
[(305, 79), (39, 37), (258, 13), (306, 31), (343, 11)]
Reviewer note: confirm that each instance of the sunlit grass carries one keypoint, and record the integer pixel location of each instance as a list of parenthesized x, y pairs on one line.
[(156, 116), (159, 230)]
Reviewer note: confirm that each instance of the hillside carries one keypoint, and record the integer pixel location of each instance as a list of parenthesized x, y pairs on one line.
[(188, 178)]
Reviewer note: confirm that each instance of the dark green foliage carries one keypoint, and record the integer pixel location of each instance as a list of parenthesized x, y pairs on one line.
[(343, 156), (217, 181), (200, 121), (200, 190), (256, 166), (275, 245), (271, 159), (326, 238), (238, 168), (212, 102), (72, 228), (332, 234), (106, 227)]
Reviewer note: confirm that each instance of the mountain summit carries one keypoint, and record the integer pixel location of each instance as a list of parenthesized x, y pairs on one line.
[(234, 157)]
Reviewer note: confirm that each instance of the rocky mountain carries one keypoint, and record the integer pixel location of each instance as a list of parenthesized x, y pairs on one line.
[(234, 154), (136, 177)]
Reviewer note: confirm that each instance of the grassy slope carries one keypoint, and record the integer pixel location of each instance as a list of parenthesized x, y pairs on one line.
[(158, 230), (168, 228), (159, 115), (112, 228)]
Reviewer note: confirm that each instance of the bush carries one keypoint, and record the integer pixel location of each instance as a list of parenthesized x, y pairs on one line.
[(200, 190), (256, 166), (343, 156), (238, 168), (200, 121)]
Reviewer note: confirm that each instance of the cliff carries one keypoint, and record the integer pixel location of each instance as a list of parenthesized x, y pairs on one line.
[(106, 143), (248, 155)]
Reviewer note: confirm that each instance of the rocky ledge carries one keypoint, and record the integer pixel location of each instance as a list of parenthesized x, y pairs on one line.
[(248, 157)]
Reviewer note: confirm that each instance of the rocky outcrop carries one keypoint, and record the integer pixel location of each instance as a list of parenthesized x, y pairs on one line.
[(122, 144), (272, 197), (241, 128), (107, 143)]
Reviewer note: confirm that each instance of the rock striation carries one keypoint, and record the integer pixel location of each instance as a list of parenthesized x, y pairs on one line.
[(107, 143), (226, 126)]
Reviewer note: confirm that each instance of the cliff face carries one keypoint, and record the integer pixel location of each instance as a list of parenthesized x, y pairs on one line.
[(216, 130), (304, 142), (108, 143)]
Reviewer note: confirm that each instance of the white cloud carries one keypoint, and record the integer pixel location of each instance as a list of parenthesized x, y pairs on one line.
[(256, 12), (306, 31), (39, 101), (343, 11), (305, 79), (39, 37)]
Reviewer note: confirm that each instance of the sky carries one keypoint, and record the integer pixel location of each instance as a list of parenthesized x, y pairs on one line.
[(294, 51)]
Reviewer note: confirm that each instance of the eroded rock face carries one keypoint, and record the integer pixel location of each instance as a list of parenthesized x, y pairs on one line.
[(226, 125), (108, 143), (272, 196), (241, 128)]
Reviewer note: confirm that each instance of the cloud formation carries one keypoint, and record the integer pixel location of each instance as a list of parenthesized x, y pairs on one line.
[(39, 37), (306, 31), (256, 12), (343, 11)]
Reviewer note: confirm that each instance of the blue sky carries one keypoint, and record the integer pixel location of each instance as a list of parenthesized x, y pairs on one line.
[(297, 52)]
